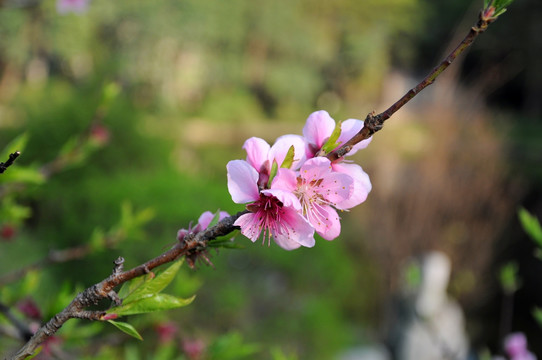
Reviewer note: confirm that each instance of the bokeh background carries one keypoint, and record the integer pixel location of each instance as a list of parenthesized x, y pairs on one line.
[(165, 92)]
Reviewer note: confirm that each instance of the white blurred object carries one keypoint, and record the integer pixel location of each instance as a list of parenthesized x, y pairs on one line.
[(373, 352), (437, 330)]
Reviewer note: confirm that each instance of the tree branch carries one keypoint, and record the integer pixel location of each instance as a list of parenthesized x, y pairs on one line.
[(191, 245), (12, 157), (374, 122)]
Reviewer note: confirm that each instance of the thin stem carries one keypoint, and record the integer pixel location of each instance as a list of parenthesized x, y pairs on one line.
[(192, 244), (12, 157), (374, 122)]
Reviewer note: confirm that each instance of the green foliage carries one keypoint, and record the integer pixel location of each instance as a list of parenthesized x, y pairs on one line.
[(531, 225), (508, 277), (232, 347), (289, 158), (331, 143), (126, 328)]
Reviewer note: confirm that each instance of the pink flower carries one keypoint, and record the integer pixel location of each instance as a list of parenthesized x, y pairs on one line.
[(274, 212), (318, 189), (320, 126), (261, 156), (75, 6), (203, 222), (515, 346), (317, 130)]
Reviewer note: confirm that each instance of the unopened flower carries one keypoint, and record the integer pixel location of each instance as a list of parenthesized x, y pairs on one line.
[(273, 212), (203, 222), (166, 331)]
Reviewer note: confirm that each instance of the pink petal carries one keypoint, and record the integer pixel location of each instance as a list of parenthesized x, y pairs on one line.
[(285, 179), (333, 224), (205, 219), (361, 186), (336, 187), (257, 152), (249, 226), (318, 128), (315, 168), (287, 198), (242, 181), (349, 128), (299, 230), (281, 146)]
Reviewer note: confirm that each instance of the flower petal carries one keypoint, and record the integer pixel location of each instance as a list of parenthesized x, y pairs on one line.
[(332, 227), (318, 129), (249, 226), (349, 128), (287, 198), (205, 219), (286, 179), (297, 230), (281, 146), (361, 186), (242, 181), (257, 152)]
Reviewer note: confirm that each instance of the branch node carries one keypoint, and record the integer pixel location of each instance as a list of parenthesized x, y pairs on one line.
[(11, 159), (114, 297), (119, 266)]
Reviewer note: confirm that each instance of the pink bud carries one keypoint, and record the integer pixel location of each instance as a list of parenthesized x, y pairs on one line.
[(29, 308), (7, 232), (193, 348), (109, 317), (166, 331), (99, 135)]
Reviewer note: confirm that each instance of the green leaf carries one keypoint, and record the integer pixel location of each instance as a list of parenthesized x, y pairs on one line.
[(214, 221), (27, 175), (126, 328), (537, 313), (17, 144), (130, 286), (289, 158), (273, 173), (155, 285), (508, 277), (531, 225), (153, 303), (331, 143)]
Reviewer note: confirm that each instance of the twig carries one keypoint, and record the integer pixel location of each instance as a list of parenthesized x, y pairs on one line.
[(23, 332), (12, 157), (374, 122), (191, 245)]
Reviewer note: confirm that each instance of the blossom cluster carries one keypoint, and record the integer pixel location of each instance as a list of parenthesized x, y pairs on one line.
[(292, 190)]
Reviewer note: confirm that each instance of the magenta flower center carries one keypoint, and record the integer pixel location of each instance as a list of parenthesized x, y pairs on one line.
[(269, 216)]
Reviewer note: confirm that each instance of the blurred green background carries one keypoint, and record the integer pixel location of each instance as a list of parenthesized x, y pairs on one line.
[(167, 91)]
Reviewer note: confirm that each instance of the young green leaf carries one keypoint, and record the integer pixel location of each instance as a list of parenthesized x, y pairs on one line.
[(155, 285), (153, 303), (531, 225), (17, 144), (214, 220), (127, 328), (509, 278), (331, 143), (289, 158), (537, 313), (273, 173)]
